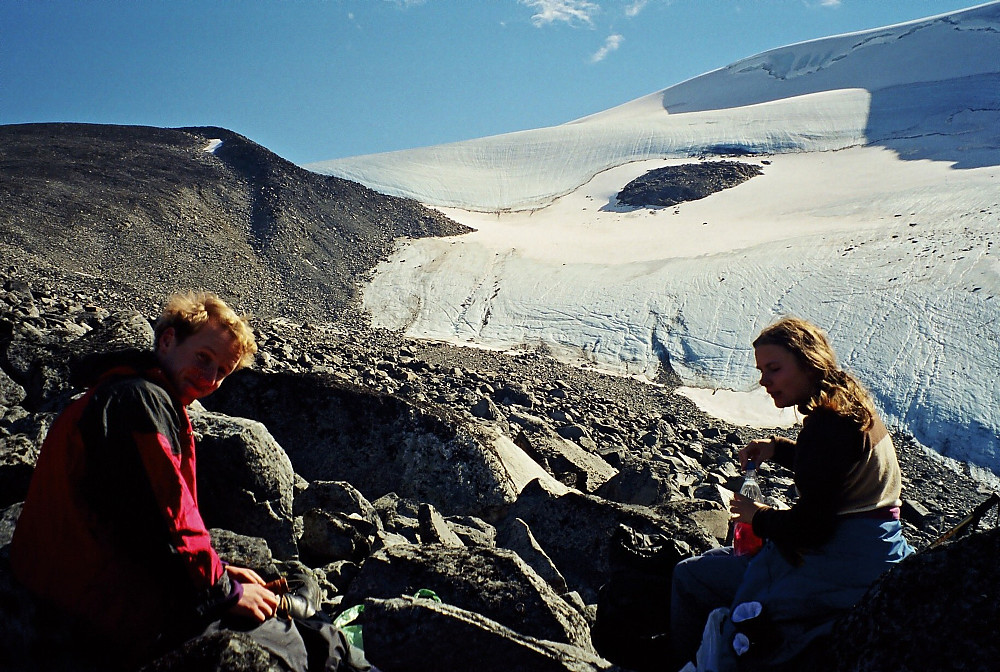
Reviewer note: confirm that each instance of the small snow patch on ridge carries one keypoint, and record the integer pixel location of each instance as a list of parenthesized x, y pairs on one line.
[(213, 145)]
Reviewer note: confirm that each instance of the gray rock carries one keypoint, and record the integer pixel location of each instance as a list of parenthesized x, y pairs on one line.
[(434, 529), (575, 530), (244, 551), (225, 651), (473, 531), (422, 636), (924, 596), (330, 536), (399, 516), (18, 454), (561, 456), (380, 444), (245, 480), (11, 394), (517, 537), (336, 497), (8, 520), (493, 582)]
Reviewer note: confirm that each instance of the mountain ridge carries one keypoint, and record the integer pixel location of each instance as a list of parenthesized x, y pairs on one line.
[(160, 209)]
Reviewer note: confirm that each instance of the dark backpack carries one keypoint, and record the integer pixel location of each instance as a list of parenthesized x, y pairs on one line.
[(632, 628)]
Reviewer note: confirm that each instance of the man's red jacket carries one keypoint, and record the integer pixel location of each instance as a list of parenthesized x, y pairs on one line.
[(110, 529)]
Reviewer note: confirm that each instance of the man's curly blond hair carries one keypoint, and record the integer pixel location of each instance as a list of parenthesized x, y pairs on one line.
[(187, 312)]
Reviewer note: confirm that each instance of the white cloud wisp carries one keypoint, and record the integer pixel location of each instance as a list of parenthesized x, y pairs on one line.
[(570, 11), (610, 44)]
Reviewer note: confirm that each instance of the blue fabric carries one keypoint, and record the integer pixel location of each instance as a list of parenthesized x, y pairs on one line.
[(801, 602), (700, 585)]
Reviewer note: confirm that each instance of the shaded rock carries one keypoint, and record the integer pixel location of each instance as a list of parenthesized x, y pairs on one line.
[(561, 456), (575, 530), (517, 537), (399, 516), (218, 652), (8, 520), (434, 529), (639, 482), (244, 551), (331, 536), (336, 496), (422, 636), (473, 531), (493, 582), (11, 394), (18, 454), (514, 394), (245, 479), (925, 594), (486, 409), (41, 361), (121, 330), (378, 443), (42, 368)]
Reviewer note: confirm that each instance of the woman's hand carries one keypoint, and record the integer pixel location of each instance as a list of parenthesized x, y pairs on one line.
[(742, 510), (757, 451), (257, 603), (244, 575)]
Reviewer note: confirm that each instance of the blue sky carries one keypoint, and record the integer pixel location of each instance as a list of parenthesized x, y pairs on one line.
[(322, 79)]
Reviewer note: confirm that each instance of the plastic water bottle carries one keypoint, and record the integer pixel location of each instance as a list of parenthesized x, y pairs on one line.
[(745, 542)]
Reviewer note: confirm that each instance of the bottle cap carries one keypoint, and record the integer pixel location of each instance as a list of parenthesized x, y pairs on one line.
[(751, 465)]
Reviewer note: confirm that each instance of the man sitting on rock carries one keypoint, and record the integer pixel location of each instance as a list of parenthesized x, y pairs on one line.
[(110, 531)]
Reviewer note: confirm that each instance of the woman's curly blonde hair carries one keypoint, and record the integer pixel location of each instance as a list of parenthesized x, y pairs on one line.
[(836, 390), (187, 312)]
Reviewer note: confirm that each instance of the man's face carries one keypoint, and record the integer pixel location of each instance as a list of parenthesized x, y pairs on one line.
[(196, 366)]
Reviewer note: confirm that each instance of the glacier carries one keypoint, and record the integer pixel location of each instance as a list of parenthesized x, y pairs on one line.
[(876, 216)]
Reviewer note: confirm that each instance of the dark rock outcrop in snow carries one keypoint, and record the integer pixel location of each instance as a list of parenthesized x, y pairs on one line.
[(671, 185)]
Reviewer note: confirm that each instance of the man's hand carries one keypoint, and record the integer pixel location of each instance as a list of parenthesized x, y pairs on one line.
[(244, 575), (257, 603)]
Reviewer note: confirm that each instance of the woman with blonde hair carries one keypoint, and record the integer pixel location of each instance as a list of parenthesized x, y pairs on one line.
[(820, 555)]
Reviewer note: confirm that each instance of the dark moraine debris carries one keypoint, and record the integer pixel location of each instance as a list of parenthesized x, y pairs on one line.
[(689, 182)]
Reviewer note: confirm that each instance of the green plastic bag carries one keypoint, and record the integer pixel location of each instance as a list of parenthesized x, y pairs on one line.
[(345, 621), (427, 594)]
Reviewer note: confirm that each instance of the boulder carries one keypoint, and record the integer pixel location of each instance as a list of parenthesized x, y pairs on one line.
[(575, 530), (18, 454), (330, 536), (517, 537), (226, 651), (420, 635), (381, 443), (244, 551), (40, 360), (11, 394), (925, 594), (245, 479), (339, 496), (565, 460), (434, 529), (493, 582)]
